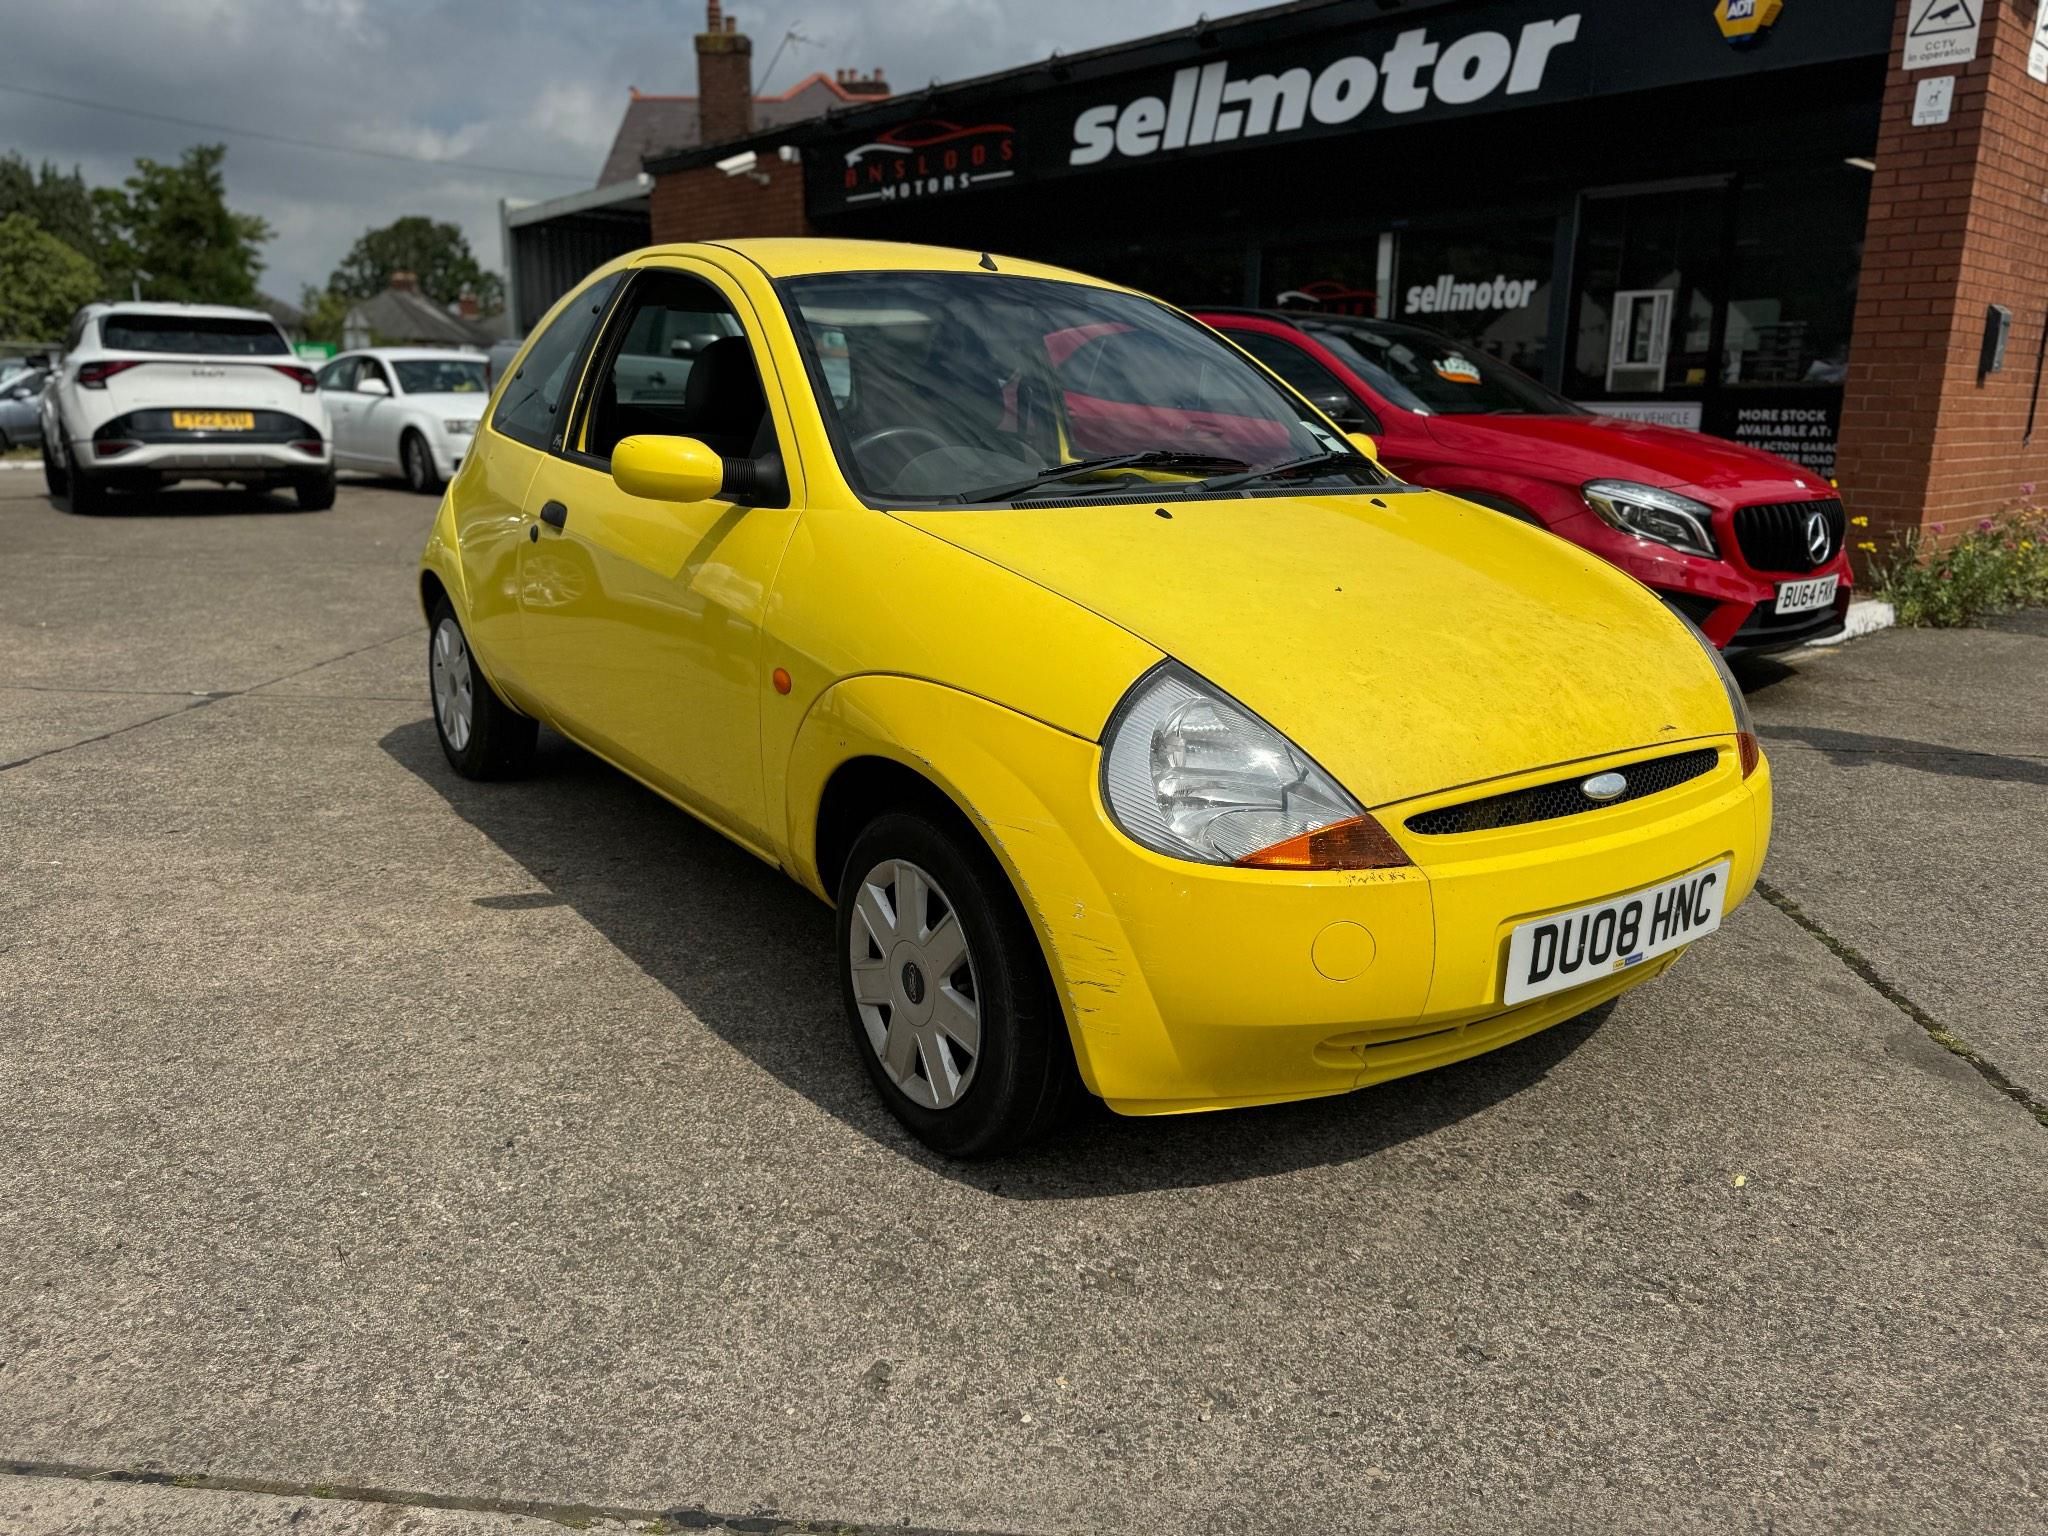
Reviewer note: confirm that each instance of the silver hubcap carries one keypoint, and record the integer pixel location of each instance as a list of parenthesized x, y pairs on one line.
[(454, 699), (914, 983)]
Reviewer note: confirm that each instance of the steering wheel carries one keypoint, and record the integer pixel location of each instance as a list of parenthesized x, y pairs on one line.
[(898, 440)]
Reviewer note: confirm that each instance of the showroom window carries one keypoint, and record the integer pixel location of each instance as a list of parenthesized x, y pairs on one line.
[(1488, 288)]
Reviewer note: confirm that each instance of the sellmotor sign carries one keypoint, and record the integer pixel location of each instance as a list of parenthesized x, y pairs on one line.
[(1212, 104), (1333, 71)]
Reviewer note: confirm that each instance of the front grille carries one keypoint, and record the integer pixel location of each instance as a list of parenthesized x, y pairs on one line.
[(1774, 535), (1547, 802)]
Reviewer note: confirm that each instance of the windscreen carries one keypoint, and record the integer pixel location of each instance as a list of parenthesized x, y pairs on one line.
[(216, 336), (984, 388), (441, 376), (1433, 374)]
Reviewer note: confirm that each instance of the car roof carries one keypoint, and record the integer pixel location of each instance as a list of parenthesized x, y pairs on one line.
[(192, 311), (799, 257), (415, 354)]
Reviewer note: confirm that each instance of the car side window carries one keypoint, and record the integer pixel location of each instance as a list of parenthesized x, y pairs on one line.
[(676, 362), (532, 406), (1308, 378), (339, 374)]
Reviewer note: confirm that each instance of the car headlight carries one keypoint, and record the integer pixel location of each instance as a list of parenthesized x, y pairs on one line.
[(460, 426), (1650, 513), (1189, 772), (1745, 726)]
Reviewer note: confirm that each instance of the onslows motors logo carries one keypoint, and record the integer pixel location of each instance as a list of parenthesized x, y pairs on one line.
[(1207, 106), (929, 157)]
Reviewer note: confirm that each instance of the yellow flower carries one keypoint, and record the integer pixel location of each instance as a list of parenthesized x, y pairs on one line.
[(2026, 543), (1860, 522), (1868, 544)]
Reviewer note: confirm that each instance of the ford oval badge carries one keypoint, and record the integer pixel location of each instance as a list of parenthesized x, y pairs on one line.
[(1604, 787)]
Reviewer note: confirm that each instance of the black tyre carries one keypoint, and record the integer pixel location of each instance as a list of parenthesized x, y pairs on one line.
[(484, 737), (417, 459), (89, 495), (947, 996), (315, 492), (56, 475)]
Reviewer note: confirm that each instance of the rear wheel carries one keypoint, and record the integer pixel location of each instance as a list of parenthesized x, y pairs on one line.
[(947, 996), (482, 735), (418, 461), (56, 475), (314, 492), (88, 493)]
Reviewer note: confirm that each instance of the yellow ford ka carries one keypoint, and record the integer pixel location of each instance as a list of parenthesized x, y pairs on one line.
[(1147, 736)]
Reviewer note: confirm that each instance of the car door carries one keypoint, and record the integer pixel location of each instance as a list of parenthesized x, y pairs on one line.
[(337, 393), (489, 504), (643, 618), (376, 420)]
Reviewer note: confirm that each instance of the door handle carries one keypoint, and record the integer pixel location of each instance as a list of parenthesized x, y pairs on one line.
[(554, 514)]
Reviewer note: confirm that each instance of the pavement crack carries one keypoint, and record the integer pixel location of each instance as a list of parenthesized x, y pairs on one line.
[(1953, 1043), (684, 1516), (201, 702)]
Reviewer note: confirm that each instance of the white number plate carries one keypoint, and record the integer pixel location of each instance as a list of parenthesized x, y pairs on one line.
[(1799, 596), (1569, 949)]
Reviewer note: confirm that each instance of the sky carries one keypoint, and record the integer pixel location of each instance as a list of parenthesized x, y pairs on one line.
[(528, 86)]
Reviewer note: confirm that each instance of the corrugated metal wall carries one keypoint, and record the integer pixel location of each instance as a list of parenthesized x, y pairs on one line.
[(550, 258)]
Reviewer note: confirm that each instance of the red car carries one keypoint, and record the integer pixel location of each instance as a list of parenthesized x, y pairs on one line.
[(1746, 545)]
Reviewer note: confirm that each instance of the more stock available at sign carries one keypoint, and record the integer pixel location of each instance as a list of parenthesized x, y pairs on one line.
[(1341, 70)]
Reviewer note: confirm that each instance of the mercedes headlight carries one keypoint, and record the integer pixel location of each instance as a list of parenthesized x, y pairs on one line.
[(1189, 772), (460, 426), (1745, 726), (1650, 513)]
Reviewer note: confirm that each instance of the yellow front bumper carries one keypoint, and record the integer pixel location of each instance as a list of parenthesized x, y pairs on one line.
[(1191, 986)]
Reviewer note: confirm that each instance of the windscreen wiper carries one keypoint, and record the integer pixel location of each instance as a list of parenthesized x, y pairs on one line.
[(1153, 458), (1329, 456)]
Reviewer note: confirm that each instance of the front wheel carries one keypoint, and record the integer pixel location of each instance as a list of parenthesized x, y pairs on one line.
[(482, 735), (418, 459), (951, 1009)]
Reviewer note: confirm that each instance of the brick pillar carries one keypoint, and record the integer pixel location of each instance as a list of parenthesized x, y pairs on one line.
[(725, 79), (1957, 221)]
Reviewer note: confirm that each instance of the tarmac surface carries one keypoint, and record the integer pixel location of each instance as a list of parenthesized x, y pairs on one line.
[(388, 1152)]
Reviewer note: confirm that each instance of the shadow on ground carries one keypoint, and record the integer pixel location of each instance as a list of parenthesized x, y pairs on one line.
[(188, 501), (750, 954)]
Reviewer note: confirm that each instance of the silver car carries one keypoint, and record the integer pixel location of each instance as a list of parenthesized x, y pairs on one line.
[(21, 395)]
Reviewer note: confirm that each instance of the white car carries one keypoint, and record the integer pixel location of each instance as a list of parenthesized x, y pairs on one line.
[(411, 411), (151, 394)]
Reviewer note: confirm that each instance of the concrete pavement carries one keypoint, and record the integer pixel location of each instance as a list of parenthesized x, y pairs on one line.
[(500, 1146)]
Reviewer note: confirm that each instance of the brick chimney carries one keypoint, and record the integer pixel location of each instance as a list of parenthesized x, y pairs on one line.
[(854, 83), (406, 282), (725, 79), (467, 306)]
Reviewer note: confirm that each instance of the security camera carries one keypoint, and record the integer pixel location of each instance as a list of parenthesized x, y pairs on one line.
[(788, 154), (741, 164)]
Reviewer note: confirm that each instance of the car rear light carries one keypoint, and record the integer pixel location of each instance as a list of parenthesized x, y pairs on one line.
[(106, 448), (307, 382), (95, 375), (1748, 751), (1360, 843), (310, 445)]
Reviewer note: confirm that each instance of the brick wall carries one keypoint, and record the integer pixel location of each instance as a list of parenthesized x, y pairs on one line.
[(1957, 221), (707, 204)]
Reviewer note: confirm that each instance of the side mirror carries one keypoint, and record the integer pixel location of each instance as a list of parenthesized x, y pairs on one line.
[(372, 387), (1363, 442), (667, 469)]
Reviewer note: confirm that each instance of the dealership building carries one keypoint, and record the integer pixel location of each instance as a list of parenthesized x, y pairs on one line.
[(1815, 226)]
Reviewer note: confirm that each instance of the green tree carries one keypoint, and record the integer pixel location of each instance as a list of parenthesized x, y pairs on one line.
[(326, 311), (42, 281), (59, 203), (437, 254), (173, 222)]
